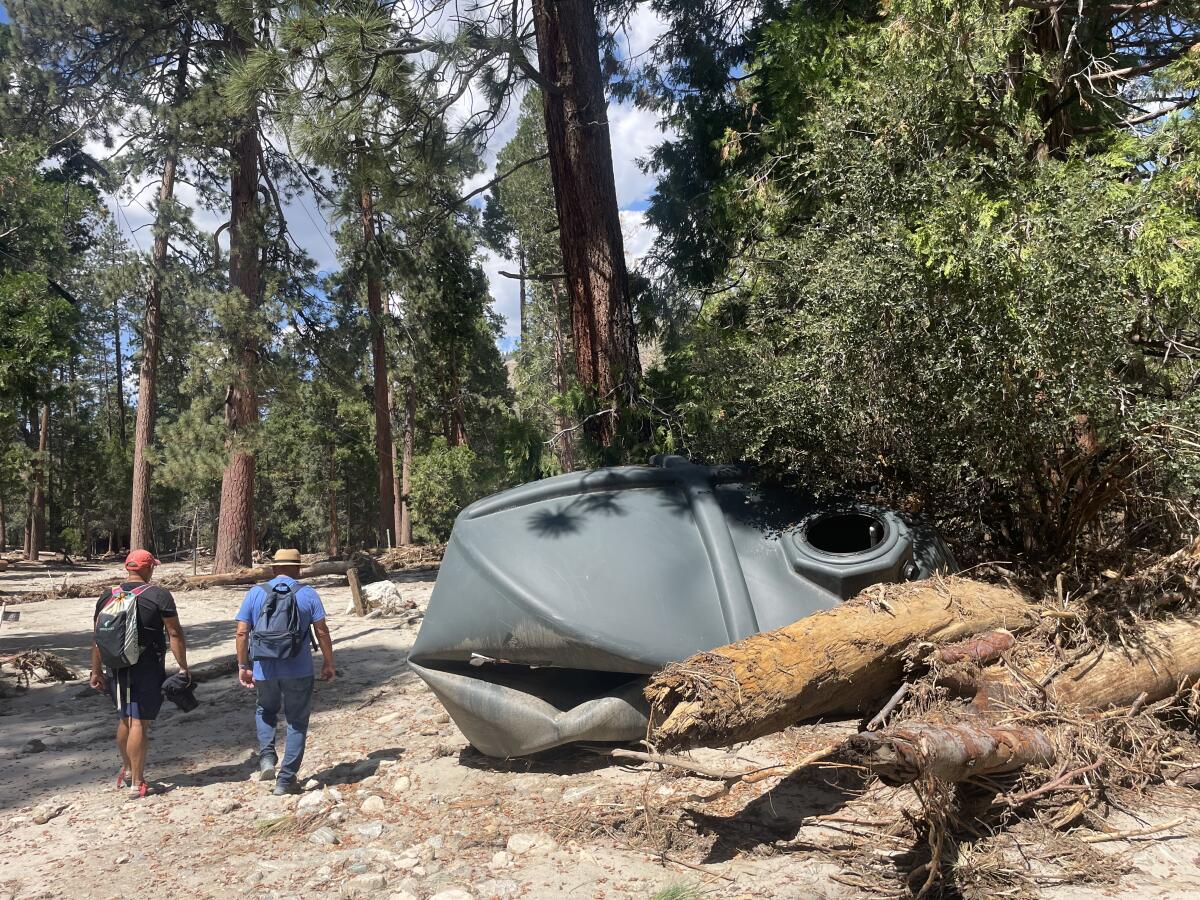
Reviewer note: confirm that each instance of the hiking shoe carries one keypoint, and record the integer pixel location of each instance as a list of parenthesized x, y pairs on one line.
[(287, 787), (266, 765), (123, 778)]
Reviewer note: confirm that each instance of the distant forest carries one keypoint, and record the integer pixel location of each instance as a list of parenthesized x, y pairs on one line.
[(944, 254)]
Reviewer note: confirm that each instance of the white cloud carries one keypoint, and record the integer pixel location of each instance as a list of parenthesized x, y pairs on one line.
[(506, 294), (637, 234)]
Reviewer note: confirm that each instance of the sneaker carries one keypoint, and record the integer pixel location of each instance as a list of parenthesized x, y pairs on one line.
[(287, 787), (123, 778), (266, 765)]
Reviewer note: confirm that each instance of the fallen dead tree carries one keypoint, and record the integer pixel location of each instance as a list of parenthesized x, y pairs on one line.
[(841, 661), (368, 569)]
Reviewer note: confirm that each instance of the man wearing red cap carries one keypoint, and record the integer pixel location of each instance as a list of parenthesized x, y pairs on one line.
[(136, 690)]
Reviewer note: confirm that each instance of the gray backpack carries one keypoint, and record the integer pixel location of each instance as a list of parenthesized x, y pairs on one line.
[(117, 628)]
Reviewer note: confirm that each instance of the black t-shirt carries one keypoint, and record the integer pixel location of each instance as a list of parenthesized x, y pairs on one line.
[(154, 605)]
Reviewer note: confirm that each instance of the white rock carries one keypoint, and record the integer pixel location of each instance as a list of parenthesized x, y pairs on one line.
[(367, 884), (396, 895), (500, 860), (323, 836), (453, 894), (372, 830), (312, 784), (312, 801), (388, 719), (497, 887), (254, 878), (524, 842), (407, 862), (47, 811), (226, 806), (401, 784), (373, 804), (334, 794)]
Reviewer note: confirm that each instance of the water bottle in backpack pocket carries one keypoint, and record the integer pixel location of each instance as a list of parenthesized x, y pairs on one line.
[(277, 631), (117, 629)]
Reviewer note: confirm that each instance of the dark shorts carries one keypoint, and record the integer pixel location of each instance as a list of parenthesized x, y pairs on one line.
[(136, 692)]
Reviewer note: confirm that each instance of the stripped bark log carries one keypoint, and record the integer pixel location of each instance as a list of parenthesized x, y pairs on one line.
[(839, 661), (368, 570), (950, 752)]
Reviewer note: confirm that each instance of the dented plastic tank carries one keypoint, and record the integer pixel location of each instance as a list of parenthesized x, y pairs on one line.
[(555, 599)]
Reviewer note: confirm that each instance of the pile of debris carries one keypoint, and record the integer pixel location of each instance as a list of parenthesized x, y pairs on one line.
[(412, 556), (383, 598), (1000, 713), (41, 665)]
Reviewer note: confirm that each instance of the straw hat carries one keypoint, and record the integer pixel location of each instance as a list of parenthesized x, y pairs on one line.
[(287, 557)]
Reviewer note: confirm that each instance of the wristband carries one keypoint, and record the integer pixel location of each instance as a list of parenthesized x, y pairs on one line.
[(245, 668)]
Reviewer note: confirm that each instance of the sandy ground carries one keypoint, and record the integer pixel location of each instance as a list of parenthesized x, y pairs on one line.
[(400, 806)]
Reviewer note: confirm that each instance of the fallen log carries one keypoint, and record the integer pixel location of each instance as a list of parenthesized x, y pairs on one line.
[(1165, 659), (367, 568), (950, 752), (843, 660)]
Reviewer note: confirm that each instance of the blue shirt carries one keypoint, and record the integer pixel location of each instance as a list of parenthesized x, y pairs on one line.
[(309, 604)]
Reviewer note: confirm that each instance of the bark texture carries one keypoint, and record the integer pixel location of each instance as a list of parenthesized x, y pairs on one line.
[(585, 195), (383, 418), (235, 529), (949, 752), (36, 533), (410, 419), (141, 529), (842, 660)]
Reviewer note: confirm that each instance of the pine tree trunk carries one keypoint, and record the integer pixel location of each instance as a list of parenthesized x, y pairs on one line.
[(397, 499), (410, 420), (118, 382), (140, 527), (335, 544), (37, 505), (235, 527), (3, 526), (383, 418), (585, 195)]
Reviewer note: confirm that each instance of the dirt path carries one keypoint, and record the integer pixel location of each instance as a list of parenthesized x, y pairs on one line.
[(401, 807)]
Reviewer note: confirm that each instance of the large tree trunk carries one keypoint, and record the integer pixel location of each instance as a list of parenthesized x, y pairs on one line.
[(843, 660), (37, 505), (383, 418), (140, 522), (335, 544), (235, 528), (3, 527), (410, 424), (397, 502), (585, 195)]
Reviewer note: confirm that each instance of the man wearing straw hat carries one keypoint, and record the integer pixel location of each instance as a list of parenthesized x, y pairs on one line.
[(274, 654)]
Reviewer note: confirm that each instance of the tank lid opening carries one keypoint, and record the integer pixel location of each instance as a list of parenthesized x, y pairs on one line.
[(844, 533)]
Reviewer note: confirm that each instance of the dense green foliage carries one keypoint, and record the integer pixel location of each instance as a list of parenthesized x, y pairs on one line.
[(927, 288)]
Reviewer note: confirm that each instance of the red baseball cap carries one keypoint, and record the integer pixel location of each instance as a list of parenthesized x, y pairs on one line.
[(140, 559)]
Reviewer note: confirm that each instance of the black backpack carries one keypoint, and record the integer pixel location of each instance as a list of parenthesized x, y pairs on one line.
[(277, 632), (117, 628)]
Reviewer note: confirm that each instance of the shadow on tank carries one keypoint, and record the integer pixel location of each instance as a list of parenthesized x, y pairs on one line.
[(556, 599)]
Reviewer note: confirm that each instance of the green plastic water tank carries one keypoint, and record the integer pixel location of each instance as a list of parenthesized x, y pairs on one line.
[(555, 599)]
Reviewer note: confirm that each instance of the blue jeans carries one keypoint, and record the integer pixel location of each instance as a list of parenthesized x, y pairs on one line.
[(294, 696)]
